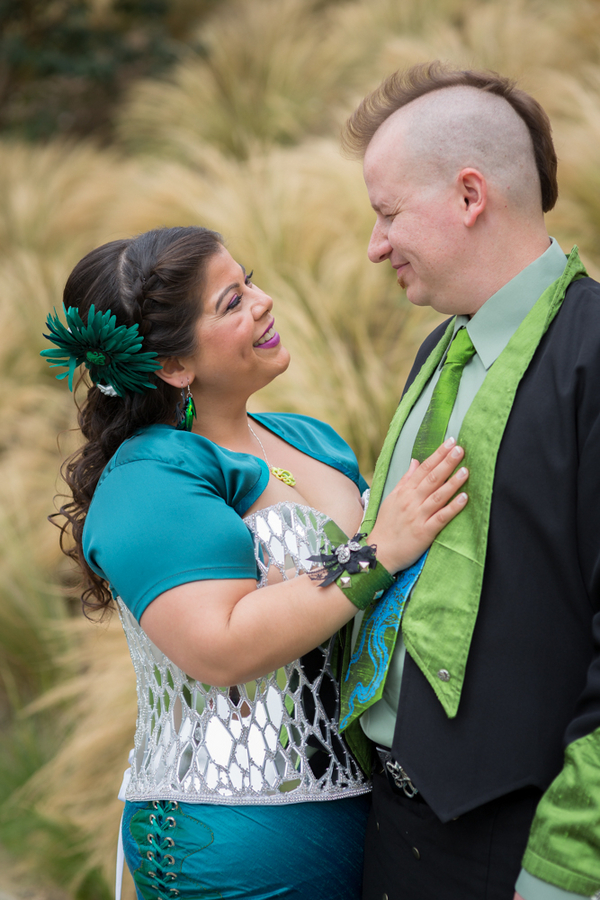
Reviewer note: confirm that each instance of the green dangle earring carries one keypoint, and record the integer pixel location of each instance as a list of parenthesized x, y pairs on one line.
[(188, 410)]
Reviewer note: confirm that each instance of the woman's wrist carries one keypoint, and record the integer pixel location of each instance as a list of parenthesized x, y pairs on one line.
[(386, 556), (354, 567)]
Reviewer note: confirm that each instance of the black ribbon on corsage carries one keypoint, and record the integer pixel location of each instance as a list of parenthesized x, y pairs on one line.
[(351, 558)]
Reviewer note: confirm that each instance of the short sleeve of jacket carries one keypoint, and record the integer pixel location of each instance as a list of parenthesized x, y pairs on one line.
[(167, 510)]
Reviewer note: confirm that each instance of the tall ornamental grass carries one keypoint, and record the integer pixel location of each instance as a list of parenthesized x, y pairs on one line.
[(244, 139)]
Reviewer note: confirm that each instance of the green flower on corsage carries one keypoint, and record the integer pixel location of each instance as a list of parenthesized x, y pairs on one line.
[(110, 352)]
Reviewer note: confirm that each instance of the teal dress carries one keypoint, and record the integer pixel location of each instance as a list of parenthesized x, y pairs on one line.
[(168, 510)]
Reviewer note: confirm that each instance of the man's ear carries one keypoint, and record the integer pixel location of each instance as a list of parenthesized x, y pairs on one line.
[(175, 372), (472, 188)]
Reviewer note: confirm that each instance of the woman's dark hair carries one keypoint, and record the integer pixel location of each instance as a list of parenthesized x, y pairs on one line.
[(155, 280)]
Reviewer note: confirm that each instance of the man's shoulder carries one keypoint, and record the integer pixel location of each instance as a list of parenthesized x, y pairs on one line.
[(576, 328), (582, 299)]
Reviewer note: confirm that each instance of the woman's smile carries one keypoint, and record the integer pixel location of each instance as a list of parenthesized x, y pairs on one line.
[(270, 338)]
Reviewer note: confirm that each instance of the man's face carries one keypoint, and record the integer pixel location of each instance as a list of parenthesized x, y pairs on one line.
[(418, 226)]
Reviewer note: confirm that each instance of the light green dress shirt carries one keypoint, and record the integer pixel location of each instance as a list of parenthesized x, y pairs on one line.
[(490, 330)]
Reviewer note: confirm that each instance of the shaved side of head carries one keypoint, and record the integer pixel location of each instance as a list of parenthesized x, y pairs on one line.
[(406, 88), (448, 130)]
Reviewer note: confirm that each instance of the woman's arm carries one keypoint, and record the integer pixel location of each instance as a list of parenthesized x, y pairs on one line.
[(226, 632)]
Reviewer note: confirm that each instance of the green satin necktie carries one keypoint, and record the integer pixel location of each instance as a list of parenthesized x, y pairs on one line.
[(435, 422), (364, 679)]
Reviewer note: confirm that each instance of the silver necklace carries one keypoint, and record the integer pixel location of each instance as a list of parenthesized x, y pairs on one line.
[(282, 474)]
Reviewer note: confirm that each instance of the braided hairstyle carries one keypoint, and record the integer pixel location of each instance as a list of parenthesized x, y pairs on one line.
[(155, 280)]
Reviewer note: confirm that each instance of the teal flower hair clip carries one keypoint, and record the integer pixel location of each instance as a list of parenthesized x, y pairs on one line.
[(110, 352)]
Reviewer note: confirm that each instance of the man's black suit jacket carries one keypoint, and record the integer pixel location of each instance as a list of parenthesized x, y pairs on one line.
[(533, 676)]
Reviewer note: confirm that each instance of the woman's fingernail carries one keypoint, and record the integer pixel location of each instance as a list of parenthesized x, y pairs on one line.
[(463, 472), (462, 499), (456, 453), (449, 443)]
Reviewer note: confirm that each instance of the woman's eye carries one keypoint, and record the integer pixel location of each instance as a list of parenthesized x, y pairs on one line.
[(235, 300), (248, 278)]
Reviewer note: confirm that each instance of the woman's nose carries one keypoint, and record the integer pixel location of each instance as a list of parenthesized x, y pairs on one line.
[(263, 303)]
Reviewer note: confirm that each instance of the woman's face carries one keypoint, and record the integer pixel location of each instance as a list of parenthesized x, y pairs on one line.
[(239, 350)]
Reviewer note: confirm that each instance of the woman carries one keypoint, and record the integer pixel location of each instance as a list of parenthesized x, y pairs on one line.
[(177, 518)]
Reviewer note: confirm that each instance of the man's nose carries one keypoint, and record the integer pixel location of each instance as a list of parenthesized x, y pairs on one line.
[(379, 245)]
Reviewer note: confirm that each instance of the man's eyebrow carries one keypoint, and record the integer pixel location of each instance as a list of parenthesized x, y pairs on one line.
[(385, 208), (226, 290), (381, 209)]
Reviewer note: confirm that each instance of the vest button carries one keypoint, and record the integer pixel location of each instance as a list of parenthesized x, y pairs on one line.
[(443, 675), (416, 853)]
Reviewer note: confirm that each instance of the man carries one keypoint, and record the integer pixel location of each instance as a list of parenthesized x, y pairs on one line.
[(490, 703)]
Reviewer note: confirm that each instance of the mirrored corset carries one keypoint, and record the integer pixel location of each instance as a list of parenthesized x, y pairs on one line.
[(274, 740)]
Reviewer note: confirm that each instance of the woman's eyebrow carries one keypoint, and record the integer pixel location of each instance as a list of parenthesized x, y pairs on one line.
[(226, 290)]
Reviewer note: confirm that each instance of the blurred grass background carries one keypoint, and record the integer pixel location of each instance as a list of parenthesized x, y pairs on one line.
[(117, 116)]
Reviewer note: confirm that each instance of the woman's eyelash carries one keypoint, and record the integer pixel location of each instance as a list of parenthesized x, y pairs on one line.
[(237, 297)]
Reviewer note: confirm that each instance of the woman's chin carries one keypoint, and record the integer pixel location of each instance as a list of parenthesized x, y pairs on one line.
[(283, 361), (278, 364)]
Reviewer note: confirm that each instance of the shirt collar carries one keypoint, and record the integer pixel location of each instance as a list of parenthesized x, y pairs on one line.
[(492, 327)]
